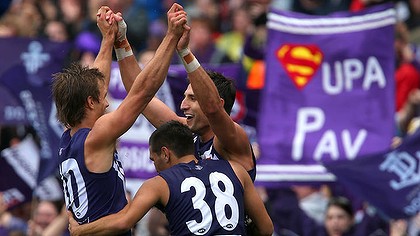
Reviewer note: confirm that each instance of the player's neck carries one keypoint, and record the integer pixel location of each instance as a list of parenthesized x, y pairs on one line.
[(187, 159), (207, 136), (85, 124)]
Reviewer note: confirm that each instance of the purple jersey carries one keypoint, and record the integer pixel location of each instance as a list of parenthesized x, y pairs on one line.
[(206, 198), (206, 151), (89, 195)]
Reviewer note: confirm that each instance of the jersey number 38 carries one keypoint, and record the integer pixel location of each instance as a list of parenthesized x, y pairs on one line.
[(223, 198)]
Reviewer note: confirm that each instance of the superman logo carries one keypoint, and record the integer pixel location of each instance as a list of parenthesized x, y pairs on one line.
[(300, 62)]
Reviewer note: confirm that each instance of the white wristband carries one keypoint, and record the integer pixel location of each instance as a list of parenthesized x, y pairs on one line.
[(190, 62), (122, 53)]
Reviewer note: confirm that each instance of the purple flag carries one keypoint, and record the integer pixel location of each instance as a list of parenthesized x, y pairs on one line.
[(25, 78), (390, 181), (329, 92), (19, 169)]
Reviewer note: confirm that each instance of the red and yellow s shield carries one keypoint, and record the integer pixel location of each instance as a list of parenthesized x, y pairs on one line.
[(300, 62)]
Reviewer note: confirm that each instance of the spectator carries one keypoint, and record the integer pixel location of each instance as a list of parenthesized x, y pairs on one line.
[(14, 220), (339, 218), (86, 48), (45, 213), (157, 30), (232, 41), (72, 12), (407, 76), (8, 26), (409, 114), (288, 218), (28, 19), (254, 55), (56, 31), (133, 15), (157, 223), (312, 201), (202, 42)]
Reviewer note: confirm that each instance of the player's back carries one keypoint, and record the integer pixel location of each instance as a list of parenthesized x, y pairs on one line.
[(206, 198), (207, 151)]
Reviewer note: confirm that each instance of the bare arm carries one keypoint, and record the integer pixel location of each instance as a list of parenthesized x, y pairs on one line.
[(254, 206), (104, 58), (151, 78), (112, 125), (129, 67), (230, 137), (151, 192), (99, 147), (156, 112), (231, 140)]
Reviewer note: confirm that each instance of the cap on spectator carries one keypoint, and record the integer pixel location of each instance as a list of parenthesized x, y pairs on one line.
[(88, 42)]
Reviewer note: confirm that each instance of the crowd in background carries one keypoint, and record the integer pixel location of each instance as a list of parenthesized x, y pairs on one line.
[(223, 31)]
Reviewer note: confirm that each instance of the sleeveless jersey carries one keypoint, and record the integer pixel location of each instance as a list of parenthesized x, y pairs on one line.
[(206, 198), (89, 195), (206, 151)]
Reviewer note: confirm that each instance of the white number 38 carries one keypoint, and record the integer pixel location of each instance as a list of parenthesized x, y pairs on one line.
[(223, 198)]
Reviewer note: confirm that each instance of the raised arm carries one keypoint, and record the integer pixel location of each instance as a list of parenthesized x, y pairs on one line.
[(111, 126), (99, 146), (254, 206), (127, 62), (150, 193), (104, 58), (231, 140), (156, 112)]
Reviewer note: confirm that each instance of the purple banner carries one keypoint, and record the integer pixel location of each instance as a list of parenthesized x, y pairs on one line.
[(25, 78), (329, 92), (390, 181), (19, 169)]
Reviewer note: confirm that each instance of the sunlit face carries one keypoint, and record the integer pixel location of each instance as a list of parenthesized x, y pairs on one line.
[(196, 120), (337, 221)]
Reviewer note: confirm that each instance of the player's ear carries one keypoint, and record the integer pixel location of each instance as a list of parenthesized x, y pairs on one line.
[(166, 153), (90, 102)]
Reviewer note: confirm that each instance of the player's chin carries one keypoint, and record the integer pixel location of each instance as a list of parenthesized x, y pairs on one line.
[(193, 127), (190, 122)]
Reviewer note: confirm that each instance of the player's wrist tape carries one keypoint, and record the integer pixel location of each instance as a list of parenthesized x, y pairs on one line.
[(190, 62), (122, 31), (122, 53)]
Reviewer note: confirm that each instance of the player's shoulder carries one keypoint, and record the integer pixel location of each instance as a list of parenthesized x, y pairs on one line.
[(155, 180), (155, 184), (237, 168)]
